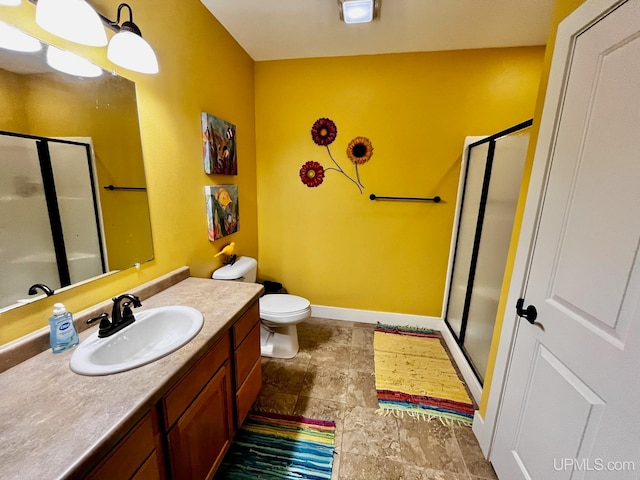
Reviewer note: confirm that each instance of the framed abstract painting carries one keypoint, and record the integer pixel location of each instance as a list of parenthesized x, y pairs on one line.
[(222, 210), (219, 145)]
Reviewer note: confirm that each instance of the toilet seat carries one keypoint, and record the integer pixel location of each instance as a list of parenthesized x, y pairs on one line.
[(284, 309)]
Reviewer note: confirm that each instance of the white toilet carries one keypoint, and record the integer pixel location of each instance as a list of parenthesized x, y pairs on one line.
[(279, 313)]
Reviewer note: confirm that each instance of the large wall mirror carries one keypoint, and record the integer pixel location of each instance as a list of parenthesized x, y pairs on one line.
[(73, 200)]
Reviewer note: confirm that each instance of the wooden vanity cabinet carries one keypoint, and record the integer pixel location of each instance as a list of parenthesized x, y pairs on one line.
[(246, 360), (188, 432), (198, 415)]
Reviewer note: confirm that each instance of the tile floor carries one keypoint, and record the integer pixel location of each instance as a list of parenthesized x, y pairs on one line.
[(332, 378)]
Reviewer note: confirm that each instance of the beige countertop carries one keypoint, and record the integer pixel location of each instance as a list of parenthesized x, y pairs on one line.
[(55, 423)]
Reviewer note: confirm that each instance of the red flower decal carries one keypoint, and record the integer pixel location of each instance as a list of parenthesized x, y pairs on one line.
[(324, 132), (312, 174)]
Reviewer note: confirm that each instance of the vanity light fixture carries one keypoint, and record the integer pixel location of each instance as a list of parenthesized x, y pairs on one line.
[(13, 39), (71, 63), (77, 21), (128, 49), (73, 20), (358, 11)]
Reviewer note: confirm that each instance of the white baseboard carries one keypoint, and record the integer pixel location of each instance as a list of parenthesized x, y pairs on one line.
[(421, 321), (371, 316)]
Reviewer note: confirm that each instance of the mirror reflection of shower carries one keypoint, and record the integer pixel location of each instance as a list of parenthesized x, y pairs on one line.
[(490, 183), (50, 223)]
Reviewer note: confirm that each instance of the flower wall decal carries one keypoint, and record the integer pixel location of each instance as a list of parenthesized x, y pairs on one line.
[(324, 133), (312, 174)]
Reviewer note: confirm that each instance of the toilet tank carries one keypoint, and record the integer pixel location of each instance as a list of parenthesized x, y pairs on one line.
[(244, 269)]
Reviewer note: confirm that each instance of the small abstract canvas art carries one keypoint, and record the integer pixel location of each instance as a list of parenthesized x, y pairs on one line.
[(219, 145), (222, 210)]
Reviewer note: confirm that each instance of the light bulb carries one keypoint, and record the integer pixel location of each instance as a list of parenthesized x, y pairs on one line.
[(13, 39), (71, 63), (73, 20), (131, 51)]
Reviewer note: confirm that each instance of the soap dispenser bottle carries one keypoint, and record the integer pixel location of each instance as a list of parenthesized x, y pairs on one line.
[(63, 334)]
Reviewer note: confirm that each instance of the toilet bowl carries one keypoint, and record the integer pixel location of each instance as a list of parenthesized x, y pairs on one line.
[(279, 313)]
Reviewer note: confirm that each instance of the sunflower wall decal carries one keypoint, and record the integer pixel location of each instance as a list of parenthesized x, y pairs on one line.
[(323, 133)]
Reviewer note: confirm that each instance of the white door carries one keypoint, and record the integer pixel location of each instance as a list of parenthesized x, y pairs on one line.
[(571, 403)]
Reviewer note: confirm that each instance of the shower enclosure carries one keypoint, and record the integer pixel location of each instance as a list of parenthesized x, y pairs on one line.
[(490, 182), (50, 225)]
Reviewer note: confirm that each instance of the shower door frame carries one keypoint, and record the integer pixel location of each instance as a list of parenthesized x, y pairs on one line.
[(491, 140)]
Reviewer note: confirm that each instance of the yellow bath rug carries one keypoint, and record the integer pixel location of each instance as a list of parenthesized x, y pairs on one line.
[(414, 375)]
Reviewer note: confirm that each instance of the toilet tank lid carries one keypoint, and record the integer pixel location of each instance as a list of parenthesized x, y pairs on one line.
[(239, 269)]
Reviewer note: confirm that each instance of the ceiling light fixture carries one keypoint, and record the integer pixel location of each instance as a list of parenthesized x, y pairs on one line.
[(13, 39), (73, 20), (128, 49), (358, 11)]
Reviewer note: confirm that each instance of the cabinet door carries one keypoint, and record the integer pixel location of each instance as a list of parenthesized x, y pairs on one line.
[(202, 435)]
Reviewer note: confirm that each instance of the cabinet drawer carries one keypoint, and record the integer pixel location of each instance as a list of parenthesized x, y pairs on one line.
[(182, 394), (247, 354), (245, 324), (130, 454), (248, 392)]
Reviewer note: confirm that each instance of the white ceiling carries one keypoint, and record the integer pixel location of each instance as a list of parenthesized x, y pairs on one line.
[(285, 29)]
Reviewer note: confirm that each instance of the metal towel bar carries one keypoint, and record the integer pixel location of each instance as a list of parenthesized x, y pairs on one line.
[(435, 199), (113, 187)]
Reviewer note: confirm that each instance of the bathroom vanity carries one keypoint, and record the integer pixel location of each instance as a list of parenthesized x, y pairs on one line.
[(173, 418)]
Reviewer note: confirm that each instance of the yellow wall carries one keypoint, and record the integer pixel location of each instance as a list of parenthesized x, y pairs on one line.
[(201, 69), (561, 10), (330, 243), (12, 114)]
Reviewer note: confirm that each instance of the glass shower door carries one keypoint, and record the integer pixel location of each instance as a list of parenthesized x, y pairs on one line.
[(499, 214), (475, 169), (491, 189), (79, 212)]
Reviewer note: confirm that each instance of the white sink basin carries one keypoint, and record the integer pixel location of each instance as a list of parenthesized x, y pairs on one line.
[(155, 333)]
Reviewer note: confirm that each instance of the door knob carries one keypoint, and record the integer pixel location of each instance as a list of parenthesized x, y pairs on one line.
[(530, 313)]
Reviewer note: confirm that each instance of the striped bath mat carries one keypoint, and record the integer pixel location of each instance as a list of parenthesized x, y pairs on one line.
[(414, 375), (274, 446)]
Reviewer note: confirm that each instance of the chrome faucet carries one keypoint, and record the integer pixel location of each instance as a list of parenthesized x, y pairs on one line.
[(121, 315)]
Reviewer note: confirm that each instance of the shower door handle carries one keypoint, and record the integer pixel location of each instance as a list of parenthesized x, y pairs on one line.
[(529, 314)]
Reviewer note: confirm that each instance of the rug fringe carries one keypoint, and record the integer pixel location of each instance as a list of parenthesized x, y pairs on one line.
[(422, 416), (260, 409)]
